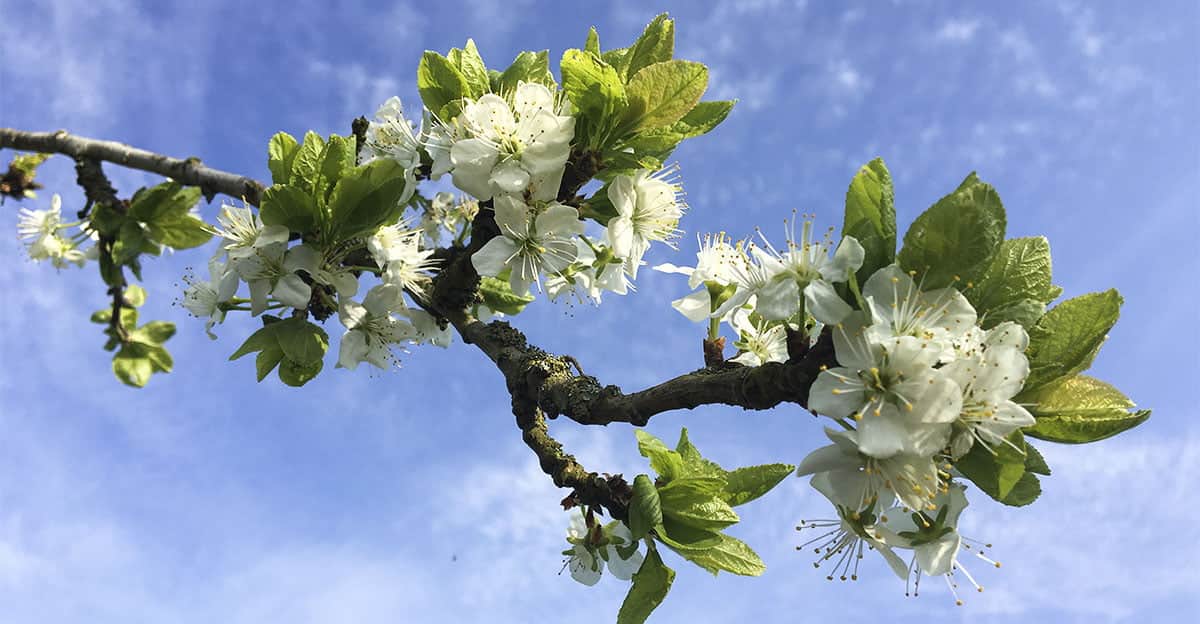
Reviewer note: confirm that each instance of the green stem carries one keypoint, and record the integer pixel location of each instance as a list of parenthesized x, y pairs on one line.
[(714, 328), (853, 281)]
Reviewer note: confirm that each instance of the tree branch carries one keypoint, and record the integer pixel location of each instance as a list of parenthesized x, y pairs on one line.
[(185, 171)]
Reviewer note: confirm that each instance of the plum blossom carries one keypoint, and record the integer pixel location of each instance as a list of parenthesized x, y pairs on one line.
[(532, 242)]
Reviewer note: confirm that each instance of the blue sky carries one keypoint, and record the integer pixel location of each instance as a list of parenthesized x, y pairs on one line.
[(408, 495)]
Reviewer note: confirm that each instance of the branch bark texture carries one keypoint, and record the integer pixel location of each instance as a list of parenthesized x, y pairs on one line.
[(187, 171)]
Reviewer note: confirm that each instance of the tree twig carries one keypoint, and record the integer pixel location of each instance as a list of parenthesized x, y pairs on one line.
[(185, 171)]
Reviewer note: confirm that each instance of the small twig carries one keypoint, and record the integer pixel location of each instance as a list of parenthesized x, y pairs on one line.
[(185, 171)]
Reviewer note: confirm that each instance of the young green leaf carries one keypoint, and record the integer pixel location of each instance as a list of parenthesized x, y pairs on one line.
[(665, 462), (656, 45), (645, 510), (650, 586), (1067, 338), (683, 538), (471, 66), (695, 501), (281, 151), (498, 296), (1081, 409), (729, 554), (440, 83), (1019, 272), (1002, 476), (306, 162), (301, 341), (956, 237), (694, 464), (527, 67), (164, 201), (871, 216), (662, 93), (365, 199), (288, 206), (596, 92), (593, 41), (746, 484)]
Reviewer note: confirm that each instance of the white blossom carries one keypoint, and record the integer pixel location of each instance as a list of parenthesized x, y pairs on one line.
[(899, 308), (715, 262), (204, 299), (371, 329), (593, 547), (397, 250), (243, 232), (989, 378), (760, 343), (899, 402), (532, 242), (510, 147), (648, 210)]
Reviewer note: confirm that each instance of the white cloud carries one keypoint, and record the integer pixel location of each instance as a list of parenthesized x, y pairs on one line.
[(957, 30)]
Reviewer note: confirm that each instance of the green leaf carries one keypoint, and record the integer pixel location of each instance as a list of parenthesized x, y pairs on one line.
[(307, 162), (153, 333), (337, 159), (131, 365), (645, 510), (1024, 312), (619, 59), (751, 482), (656, 45), (662, 93), (297, 374), (267, 360), (301, 341), (1067, 338), (593, 41), (179, 232), (134, 295), (1019, 273), (1002, 476), (281, 151), (1034, 462), (440, 83), (106, 220), (703, 118), (729, 554), (260, 340), (694, 501), (871, 216), (499, 297), (596, 92), (683, 538), (650, 586), (166, 200), (528, 67), (136, 362), (694, 464), (129, 316), (1081, 409), (471, 66), (665, 462), (956, 237), (288, 206), (131, 242), (368, 197)]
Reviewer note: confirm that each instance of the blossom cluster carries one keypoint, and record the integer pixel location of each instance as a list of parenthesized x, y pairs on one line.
[(283, 277), (43, 232), (919, 383), (593, 547), (761, 291)]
